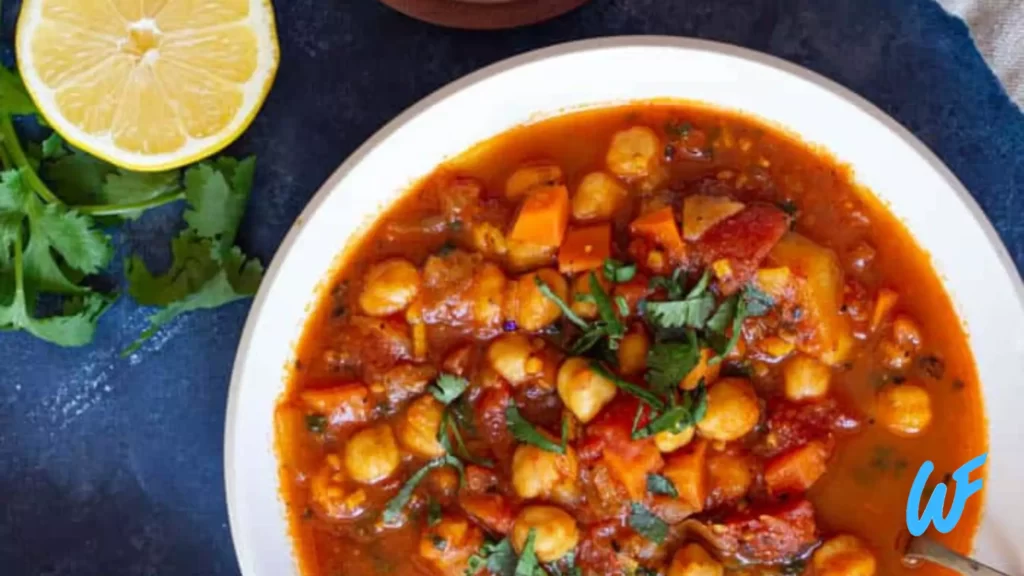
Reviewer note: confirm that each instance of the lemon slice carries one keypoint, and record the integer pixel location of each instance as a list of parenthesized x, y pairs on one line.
[(148, 84)]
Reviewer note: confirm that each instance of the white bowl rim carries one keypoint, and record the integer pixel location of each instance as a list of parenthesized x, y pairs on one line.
[(595, 44)]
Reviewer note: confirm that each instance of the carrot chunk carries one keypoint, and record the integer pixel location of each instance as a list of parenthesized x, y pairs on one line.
[(585, 248), (543, 217), (660, 226)]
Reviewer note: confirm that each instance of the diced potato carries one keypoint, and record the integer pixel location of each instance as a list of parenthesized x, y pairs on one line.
[(775, 282), (509, 356), (904, 409), (701, 213), (729, 476), (487, 295), (633, 153), (531, 177), (693, 560), (823, 331), (555, 532), (598, 197), (733, 410), (688, 473), (806, 378), (584, 391), (525, 256), (844, 555)]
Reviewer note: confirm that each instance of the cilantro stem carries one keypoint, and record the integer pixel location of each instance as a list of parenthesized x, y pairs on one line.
[(116, 209), (15, 158)]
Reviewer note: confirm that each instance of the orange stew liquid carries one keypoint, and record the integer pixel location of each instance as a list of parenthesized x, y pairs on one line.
[(657, 339)]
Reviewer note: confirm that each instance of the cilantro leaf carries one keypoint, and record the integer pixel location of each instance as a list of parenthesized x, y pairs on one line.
[(237, 278), (678, 418), (658, 484), (217, 193), (448, 388), (52, 147), (613, 326), (14, 99), (565, 308), (528, 565), (646, 524), (78, 178), (723, 316), (749, 303), (673, 286), (643, 394), (691, 312), (450, 429), (497, 557), (393, 509), (668, 363), (618, 272), (525, 432)]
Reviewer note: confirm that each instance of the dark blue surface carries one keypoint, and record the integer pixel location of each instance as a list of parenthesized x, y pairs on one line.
[(111, 466)]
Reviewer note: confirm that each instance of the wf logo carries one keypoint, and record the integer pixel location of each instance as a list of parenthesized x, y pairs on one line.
[(917, 523)]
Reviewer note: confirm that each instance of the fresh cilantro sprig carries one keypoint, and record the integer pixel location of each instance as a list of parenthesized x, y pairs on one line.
[(393, 509), (448, 388), (658, 484), (646, 524), (54, 201), (690, 312), (525, 432), (679, 417)]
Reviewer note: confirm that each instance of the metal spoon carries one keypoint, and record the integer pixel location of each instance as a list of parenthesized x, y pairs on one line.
[(922, 548)]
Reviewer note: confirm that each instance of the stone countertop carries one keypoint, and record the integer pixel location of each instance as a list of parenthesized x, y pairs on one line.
[(112, 466)]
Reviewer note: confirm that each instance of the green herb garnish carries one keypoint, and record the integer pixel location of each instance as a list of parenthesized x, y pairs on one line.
[(678, 418), (433, 512), (668, 363), (618, 272), (749, 303), (497, 557), (528, 565), (316, 423), (658, 484), (643, 394), (448, 388), (690, 312), (393, 509), (613, 327), (565, 308), (646, 524), (525, 432)]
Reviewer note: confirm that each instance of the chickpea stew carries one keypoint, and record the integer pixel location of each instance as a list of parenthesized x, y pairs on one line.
[(656, 339)]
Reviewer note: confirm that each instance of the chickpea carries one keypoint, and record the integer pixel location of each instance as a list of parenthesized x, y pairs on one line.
[(733, 410), (597, 197), (419, 426), (633, 153), (556, 533), (331, 496), (449, 544), (487, 295), (693, 560), (586, 308), (509, 355), (671, 441), (390, 286), (905, 409), (843, 556), (534, 310), (371, 454), (530, 178), (584, 391), (537, 473), (704, 370), (806, 378), (633, 352)]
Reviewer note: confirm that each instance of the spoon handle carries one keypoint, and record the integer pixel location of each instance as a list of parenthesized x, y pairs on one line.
[(924, 548)]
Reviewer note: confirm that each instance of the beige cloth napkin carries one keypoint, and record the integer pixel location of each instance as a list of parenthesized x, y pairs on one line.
[(998, 29)]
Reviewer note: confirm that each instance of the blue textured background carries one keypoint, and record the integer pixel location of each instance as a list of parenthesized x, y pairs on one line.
[(111, 466)]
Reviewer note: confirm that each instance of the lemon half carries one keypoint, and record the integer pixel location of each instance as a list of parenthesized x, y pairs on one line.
[(148, 84)]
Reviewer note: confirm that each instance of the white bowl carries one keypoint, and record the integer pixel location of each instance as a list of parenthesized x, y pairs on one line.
[(939, 212)]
